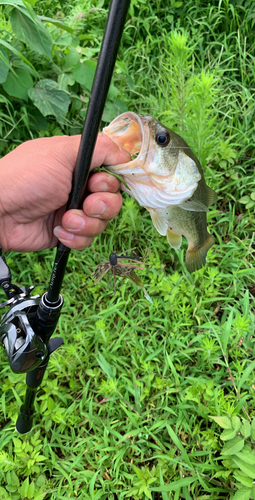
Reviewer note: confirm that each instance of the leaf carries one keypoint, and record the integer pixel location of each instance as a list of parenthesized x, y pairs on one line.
[(227, 434), (31, 490), (243, 479), (236, 422), (246, 374), (17, 84), (178, 443), (24, 488), (244, 199), (253, 195), (253, 428), (57, 23), (248, 469), (233, 446), (223, 422), (71, 59), (246, 429), (226, 332), (248, 458), (31, 33), (4, 66), (243, 494), (84, 73), (175, 485), (113, 109), (49, 99)]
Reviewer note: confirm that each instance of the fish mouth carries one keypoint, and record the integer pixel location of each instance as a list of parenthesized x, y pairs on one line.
[(128, 130)]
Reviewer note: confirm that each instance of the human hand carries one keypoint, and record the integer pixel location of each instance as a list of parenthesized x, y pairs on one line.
[(35, 182)]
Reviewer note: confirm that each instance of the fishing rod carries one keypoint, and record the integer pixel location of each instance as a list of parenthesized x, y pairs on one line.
[(26, 328)]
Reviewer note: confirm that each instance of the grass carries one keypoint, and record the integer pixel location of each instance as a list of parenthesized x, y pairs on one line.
[(125, 409)]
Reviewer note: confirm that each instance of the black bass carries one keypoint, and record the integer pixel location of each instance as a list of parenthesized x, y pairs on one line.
[(167, 179)]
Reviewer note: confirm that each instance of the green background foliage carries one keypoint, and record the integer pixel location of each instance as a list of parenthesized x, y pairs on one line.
[(142, 400)]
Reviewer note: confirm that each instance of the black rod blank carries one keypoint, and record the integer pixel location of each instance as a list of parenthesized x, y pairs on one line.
[(108, 54)]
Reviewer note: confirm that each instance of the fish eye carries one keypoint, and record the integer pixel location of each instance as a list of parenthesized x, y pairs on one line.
[(162, 138)]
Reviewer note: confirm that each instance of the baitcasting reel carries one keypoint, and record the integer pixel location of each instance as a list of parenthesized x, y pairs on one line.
[(25, 349)]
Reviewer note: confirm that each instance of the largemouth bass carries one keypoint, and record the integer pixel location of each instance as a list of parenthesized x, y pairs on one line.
[(167, 179)]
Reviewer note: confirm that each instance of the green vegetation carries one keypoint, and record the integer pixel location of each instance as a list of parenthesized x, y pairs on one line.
[(142, 400)]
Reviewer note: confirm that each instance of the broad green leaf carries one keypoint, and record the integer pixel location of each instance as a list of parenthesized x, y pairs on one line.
[(243, 479), (17, 84), (175, 485), (246, 373), (246, 429), (4, 66), (248, 458), (243, 494), (233, 446), (244, 199), (253, 428), (84, 73), (248, 469), (223, 422), (236, 422), (33, 34), (49, 99), (71, 59), (227, 434), (253, 195), (113, 109)]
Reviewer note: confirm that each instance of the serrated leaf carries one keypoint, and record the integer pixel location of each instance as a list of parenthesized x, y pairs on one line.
[(50, 99), (243, 494), (24, 488), (223, 422), (32, 33), (233, 446), (246, 429), (17, 84), (227, 434), (84, 73), (31, 490), (248, 469)]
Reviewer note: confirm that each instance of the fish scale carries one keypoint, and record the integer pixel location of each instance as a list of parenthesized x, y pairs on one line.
[(167, 179)]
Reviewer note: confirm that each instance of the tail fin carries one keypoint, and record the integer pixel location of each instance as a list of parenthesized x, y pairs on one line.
[(196, 258)]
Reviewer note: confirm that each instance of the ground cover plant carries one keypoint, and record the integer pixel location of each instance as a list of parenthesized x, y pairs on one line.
[(143, 400)]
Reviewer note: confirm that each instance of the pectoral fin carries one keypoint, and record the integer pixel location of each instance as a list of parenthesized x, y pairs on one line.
[(193, 206), (158, 221), (174, 239)]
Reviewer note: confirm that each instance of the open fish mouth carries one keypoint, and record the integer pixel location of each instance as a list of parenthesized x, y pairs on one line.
[(154, 179), (128, 131)]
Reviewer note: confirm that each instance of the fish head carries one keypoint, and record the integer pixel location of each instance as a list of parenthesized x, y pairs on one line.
[(163, 170)]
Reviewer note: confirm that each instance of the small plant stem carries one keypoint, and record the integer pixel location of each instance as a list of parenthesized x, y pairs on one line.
[(233, 382)]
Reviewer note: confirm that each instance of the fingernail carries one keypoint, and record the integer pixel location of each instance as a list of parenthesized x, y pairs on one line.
[(124, 152), (61, 234), (75, 222), (98, 208)]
